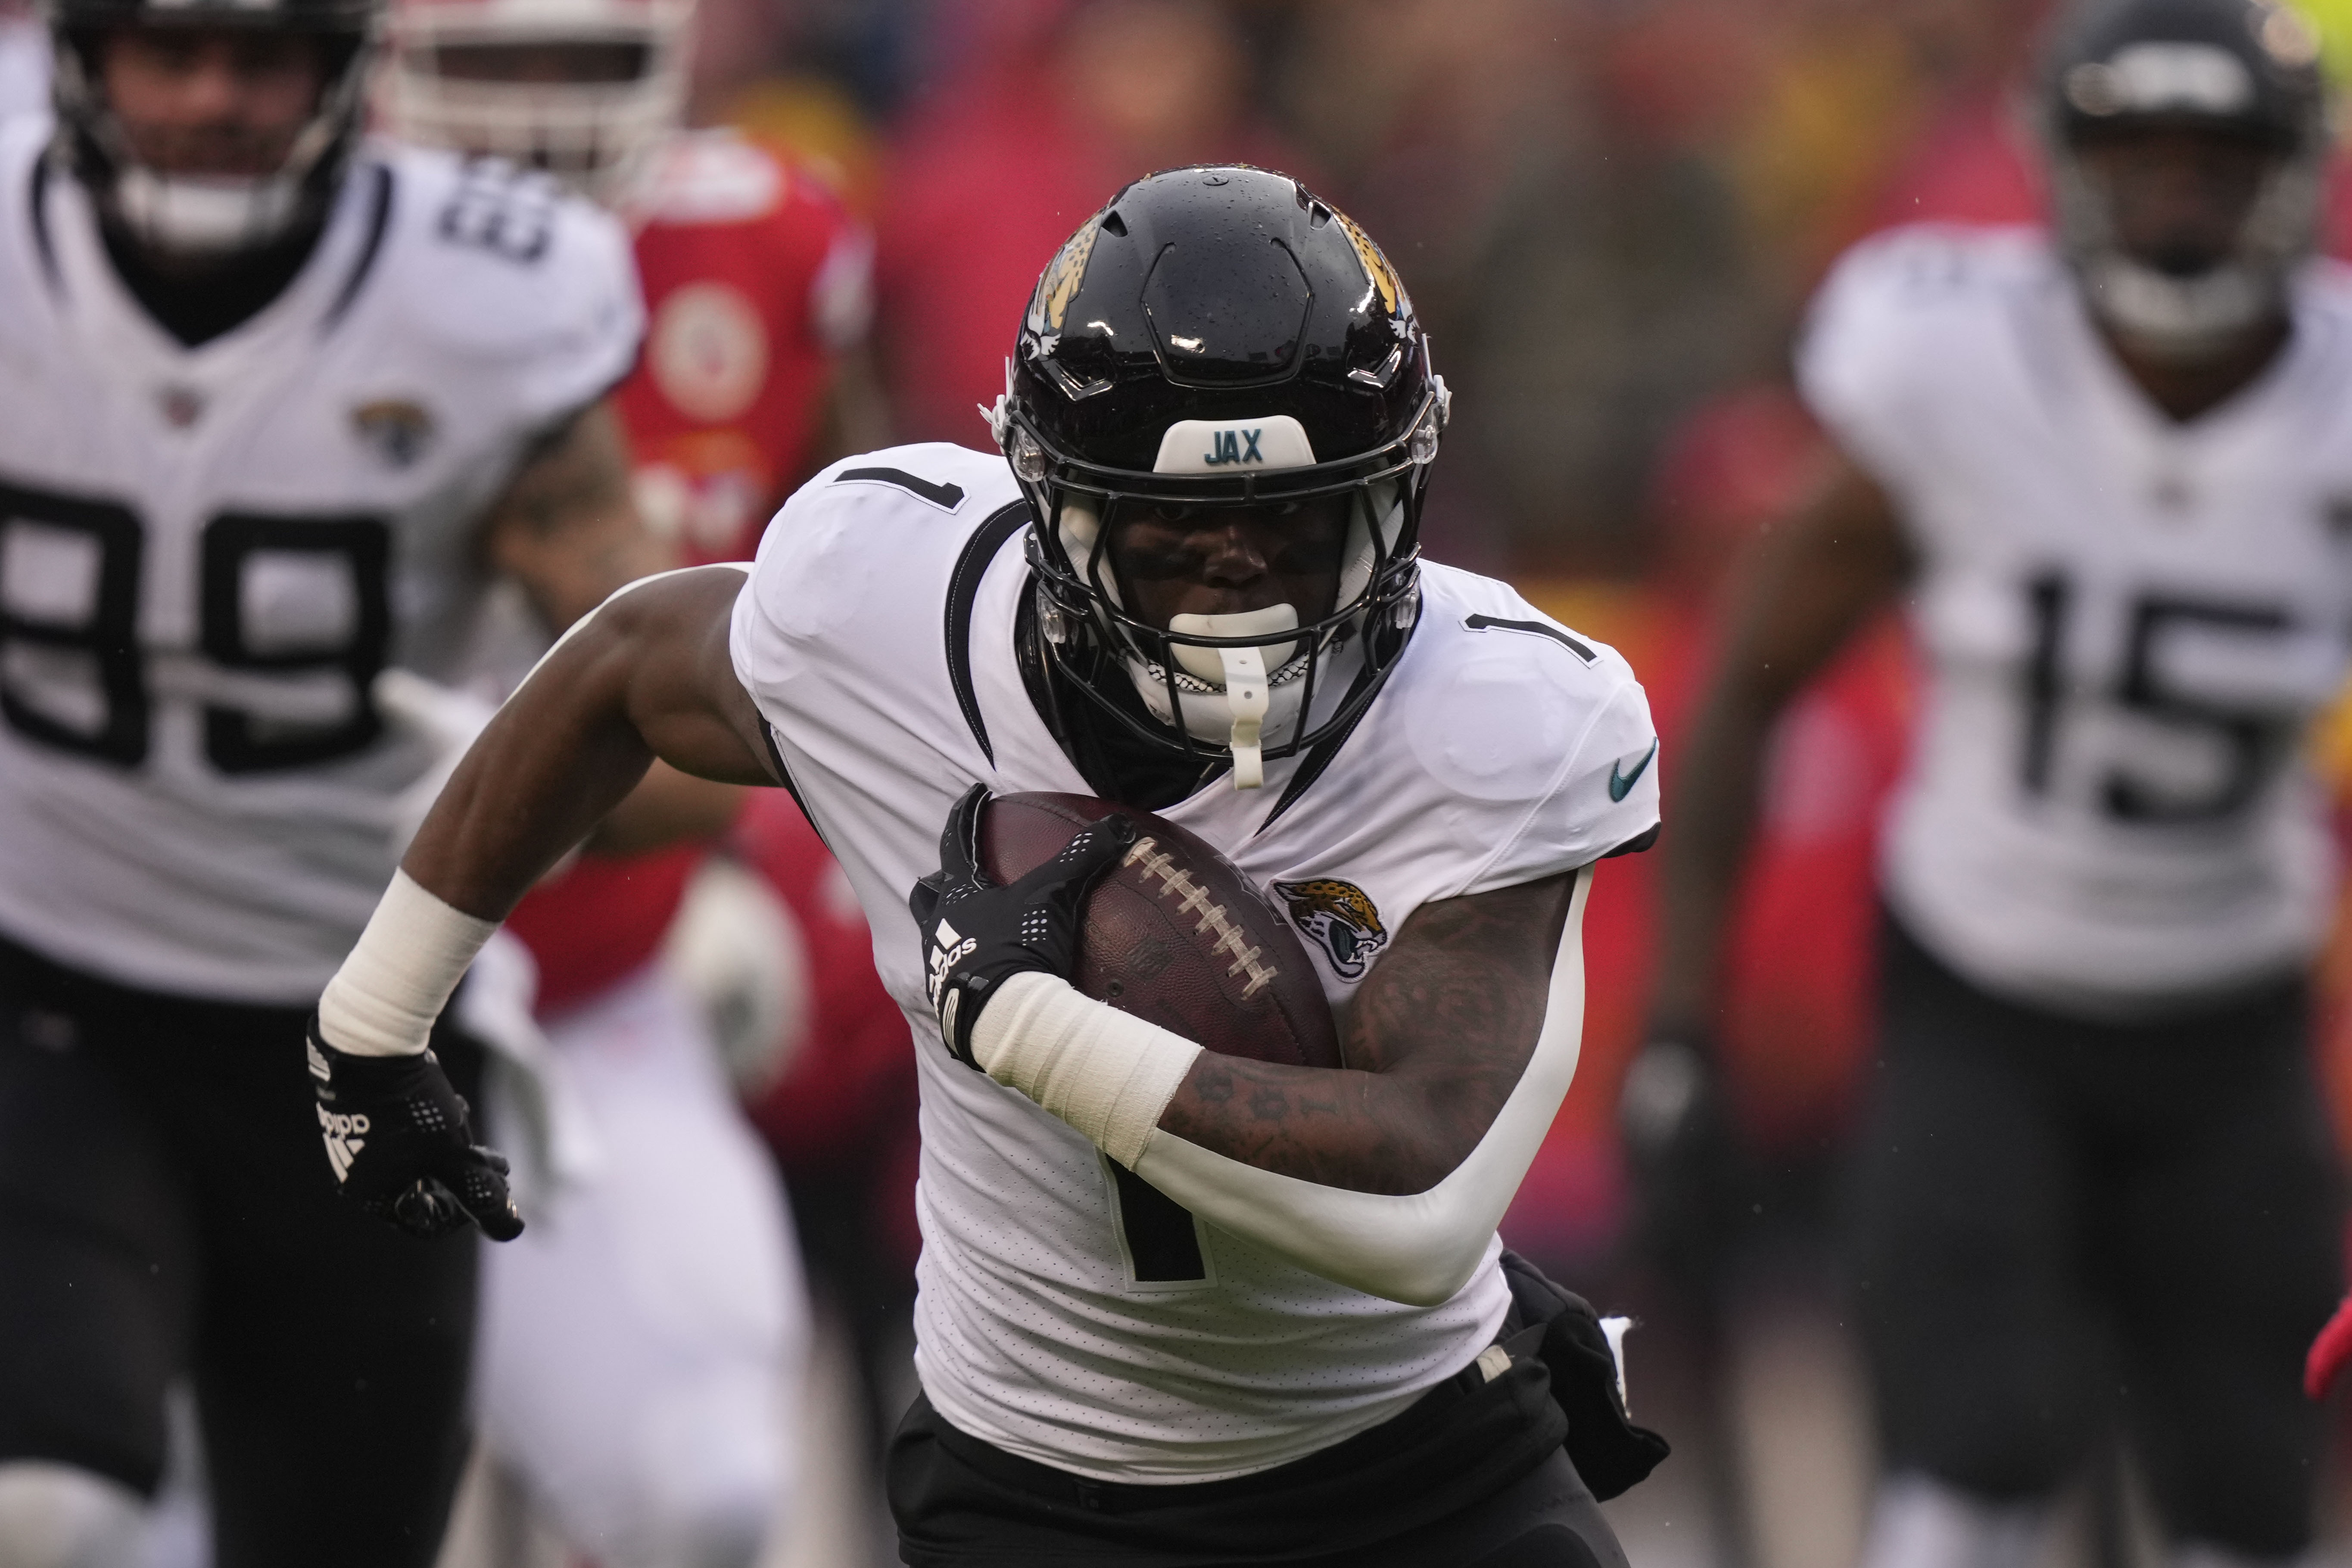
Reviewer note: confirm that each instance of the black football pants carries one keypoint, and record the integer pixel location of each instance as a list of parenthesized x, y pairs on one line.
[(2062, 1223), (166, 1212), (1471, 1476)]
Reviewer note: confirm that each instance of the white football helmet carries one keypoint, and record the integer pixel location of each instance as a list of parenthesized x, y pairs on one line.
[(583, 88)]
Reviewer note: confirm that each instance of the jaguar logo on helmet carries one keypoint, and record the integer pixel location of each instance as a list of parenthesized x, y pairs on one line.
[(1055, 290), (1377, 270), (1219, 337)]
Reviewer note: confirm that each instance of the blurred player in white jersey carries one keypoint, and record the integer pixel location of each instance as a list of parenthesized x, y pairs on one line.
[(1175, 1307), (2110, 465), (640, 1346), (277, 405)]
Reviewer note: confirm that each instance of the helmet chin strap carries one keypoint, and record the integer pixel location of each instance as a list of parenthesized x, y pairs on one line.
[(1242, 672)]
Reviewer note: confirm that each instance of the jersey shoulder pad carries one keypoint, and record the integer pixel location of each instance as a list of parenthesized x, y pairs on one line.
[(860, 553), (717, 176), (914, 486), (1537, 737), (1893, 315), (498, 266), (897, 508)]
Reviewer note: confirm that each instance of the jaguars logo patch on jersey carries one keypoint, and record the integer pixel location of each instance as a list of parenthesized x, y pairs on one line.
[(1339, 918), (394, 429)]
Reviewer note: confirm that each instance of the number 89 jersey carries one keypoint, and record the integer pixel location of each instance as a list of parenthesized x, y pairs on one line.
[(2128, 622), (206, 554)]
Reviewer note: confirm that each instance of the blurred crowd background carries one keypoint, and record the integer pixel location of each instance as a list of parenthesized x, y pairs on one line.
[(1610, 214)]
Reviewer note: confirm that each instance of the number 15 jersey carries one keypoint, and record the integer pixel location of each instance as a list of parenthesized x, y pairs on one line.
[(2127, 621), (207, 553)]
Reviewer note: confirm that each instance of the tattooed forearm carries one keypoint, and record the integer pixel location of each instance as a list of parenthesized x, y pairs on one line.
[(567, 529), (1438, 1035)]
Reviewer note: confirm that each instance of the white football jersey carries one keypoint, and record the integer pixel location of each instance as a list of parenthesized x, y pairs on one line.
[(2126, 623), (206, 554), (1069, 1314)]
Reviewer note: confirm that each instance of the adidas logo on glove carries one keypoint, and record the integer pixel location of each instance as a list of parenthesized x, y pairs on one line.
[(948, 948), (345, 1136)]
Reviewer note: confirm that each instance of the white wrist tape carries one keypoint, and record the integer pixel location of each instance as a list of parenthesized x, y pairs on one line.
[(1104, 1071), (1417, 1248), (399, 976)]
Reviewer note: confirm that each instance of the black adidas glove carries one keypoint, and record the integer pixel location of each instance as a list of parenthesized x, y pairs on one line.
[(976, 935), (401, 1147)]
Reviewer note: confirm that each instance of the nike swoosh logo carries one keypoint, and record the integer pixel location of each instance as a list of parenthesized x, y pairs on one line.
[(1621, 783)]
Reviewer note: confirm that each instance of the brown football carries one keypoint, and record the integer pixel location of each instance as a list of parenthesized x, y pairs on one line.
[(1176, 934)]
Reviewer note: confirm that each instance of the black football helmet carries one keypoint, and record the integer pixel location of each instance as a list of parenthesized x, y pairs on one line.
[(186, 215), (1217, 336), (2250, 67)]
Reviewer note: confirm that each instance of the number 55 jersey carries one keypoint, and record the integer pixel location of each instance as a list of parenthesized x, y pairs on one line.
[(2127, 622), (207, 553)]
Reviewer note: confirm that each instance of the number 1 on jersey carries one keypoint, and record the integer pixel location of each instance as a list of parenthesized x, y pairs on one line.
[(1158, 1236)]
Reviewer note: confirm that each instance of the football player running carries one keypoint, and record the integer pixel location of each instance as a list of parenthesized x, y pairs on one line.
[(277, 403), (1176, 1307), (2108, 467)]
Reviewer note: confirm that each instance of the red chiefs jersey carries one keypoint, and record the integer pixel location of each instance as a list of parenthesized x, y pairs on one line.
[(600, 919), (756, 279)]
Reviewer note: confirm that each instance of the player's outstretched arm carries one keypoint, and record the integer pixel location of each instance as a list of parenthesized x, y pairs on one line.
[(648, 676), (1809, 583), (1807, 586)]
